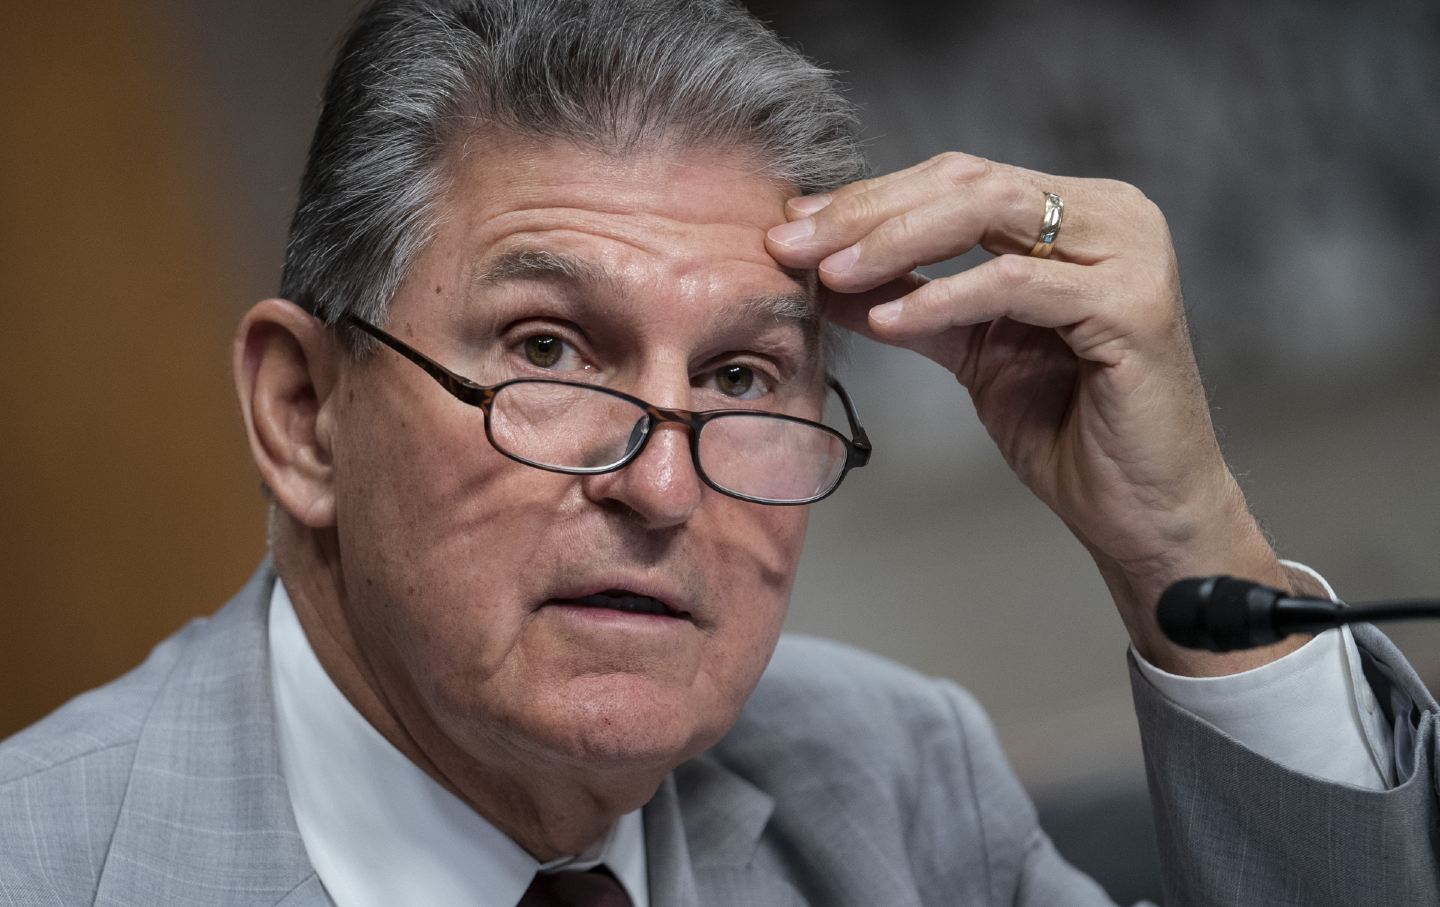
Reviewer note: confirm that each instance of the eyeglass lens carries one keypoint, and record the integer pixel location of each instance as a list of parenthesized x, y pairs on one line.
[(565, 426), (771, 459), (579, 428)]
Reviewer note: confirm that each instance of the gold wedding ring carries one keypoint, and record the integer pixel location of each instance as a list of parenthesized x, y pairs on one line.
[(1049, 227)]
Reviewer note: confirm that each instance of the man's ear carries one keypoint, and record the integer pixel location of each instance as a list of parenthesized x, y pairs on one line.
[(285, 365)]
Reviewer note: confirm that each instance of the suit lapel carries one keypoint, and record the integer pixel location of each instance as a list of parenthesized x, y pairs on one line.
[(207, 815), (310, 894), (702, 829), (672, 876)]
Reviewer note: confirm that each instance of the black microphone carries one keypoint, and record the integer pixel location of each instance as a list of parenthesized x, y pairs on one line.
[(1222, 613)]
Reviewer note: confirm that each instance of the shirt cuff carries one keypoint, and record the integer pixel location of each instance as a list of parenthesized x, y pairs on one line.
[(1311, 711)]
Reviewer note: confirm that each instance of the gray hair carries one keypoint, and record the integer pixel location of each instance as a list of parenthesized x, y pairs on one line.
[(414, 78)]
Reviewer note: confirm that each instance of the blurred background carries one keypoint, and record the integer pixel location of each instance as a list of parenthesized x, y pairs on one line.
[(149, 157)]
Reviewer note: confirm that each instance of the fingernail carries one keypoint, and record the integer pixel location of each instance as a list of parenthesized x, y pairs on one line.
[(841, 261), (809, 204), (887, 313), (793, 232)]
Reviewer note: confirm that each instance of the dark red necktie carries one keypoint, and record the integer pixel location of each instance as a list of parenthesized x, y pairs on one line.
[(596, 888)]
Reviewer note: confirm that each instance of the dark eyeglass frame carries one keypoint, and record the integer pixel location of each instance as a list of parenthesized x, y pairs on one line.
[(482, 397)]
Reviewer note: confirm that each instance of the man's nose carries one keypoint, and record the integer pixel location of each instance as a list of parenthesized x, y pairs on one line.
[(660, 485)]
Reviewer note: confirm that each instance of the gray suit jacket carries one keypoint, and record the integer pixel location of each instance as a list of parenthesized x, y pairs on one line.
[(847, 781)]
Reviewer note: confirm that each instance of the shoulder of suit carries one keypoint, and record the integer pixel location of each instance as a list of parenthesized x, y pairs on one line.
[(106, 721), (825, 675), (97, 725), (63, 780), (828, 704)]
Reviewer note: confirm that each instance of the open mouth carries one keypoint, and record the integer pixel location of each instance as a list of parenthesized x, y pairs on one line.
[(627, 601)]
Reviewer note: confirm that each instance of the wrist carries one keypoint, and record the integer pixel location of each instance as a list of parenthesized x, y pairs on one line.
[(1229, 541)]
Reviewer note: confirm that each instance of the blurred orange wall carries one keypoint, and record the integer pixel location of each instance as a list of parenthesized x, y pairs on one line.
[(127, 503)]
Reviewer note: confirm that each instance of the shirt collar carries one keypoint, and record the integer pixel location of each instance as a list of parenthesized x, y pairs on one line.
[(377, 828)]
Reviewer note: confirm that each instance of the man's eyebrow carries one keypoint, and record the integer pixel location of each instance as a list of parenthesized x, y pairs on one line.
[(797, 307), (539, 264)]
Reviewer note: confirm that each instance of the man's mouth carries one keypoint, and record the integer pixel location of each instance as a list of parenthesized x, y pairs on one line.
[(627, 601)]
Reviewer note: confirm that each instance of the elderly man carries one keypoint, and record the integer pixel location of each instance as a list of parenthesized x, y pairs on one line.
[(546, 386)]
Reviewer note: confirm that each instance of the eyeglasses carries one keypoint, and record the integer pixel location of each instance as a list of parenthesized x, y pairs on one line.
[(587, 429)]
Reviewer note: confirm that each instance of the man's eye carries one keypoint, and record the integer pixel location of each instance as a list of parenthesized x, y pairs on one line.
[(736, 380), (544, 351)]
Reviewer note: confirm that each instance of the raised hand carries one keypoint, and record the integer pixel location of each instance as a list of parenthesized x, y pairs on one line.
[(1079, 363)]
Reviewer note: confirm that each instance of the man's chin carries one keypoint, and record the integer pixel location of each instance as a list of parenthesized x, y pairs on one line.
[(627, 724)]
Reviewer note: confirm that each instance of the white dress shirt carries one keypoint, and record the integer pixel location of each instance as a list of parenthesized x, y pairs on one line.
[(379, 830)]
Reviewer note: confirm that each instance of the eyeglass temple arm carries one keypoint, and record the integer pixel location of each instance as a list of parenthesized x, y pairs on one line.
[(458, 385), (860, 448)]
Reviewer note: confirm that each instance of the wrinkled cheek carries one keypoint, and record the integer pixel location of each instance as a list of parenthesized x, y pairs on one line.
[(461, 578), (757, 567), (769, 550), (426, 497), (437, 541), (787, 534)]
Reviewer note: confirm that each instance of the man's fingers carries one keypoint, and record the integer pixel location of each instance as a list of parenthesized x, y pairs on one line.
[(863, 239), (919, 236), (1100, 289), (851, 215), (806, 205), (870, 232), (1032, 291)]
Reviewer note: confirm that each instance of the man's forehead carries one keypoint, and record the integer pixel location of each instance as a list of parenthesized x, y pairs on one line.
[(535, 264)]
